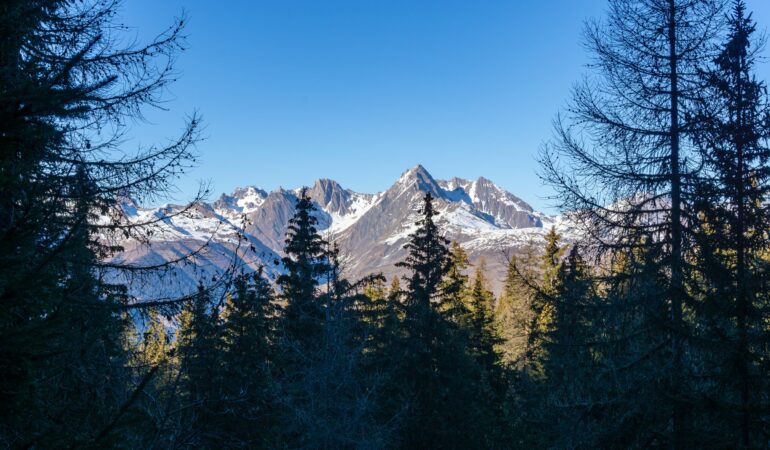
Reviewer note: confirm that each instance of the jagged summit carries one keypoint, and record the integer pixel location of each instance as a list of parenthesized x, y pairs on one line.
[(417, 178), (331, 196), (244, 199), (371, 229)]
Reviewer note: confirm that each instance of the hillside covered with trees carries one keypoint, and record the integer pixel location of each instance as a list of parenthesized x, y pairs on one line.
[(652, 331)]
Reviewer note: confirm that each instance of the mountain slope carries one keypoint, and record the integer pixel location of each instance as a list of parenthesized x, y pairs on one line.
[(247, 227)]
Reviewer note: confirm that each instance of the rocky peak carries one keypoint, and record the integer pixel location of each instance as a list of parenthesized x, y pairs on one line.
[(417, 179), (243, 199), (330, 196)]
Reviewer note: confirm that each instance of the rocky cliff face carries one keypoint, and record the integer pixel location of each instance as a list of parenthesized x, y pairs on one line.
[(247, 227)]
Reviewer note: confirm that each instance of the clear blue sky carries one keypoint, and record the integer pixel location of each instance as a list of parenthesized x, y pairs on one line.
[(361, 90)]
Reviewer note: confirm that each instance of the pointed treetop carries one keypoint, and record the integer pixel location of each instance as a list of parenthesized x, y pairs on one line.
[(428, 258)]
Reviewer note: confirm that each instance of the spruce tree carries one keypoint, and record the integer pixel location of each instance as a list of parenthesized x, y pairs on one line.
[(628, 346), (563, 393), (428, 259), (513, 313), (306, 263), (732, 301), (435, 374), (455, 286), (68, 91), (543, 303), (247, 358), (484, 340), (198, 344)]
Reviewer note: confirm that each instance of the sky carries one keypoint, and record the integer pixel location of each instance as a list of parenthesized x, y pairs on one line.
[(361, 90)]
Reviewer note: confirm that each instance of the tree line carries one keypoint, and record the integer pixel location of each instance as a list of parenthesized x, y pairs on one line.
[(652, 330)]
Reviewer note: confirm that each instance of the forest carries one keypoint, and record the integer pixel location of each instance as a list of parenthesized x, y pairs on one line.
[(651, 331)]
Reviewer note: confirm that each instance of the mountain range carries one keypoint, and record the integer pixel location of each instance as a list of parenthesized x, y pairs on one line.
[(247, 228)]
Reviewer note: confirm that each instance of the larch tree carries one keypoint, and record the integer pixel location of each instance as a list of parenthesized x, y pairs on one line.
[(484, 340), (69, 89), (624, 159)]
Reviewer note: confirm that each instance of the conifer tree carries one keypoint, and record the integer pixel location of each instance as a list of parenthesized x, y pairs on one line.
[(484, 340), (156, 343), (247, 358), (198, 344), (628, 346), (88, 370), (514, 311), (387, 350), (455, 286), (428, 259), (564, 366), (444, 407), (69, 89), (395, 288), (577, 360), (156, 357), (327, 391), (543, 304), (376, 290), (625, 161), (732, 304), (306, 263)]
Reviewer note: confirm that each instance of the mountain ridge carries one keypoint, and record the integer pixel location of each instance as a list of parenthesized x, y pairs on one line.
[(247, 227)]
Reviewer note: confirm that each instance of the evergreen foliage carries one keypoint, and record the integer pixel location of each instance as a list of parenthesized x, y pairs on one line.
[(514, 313), (198, 342), (248, 362), (445, 407), (306, 263), (652, 331), (731, 290), (67, 90)]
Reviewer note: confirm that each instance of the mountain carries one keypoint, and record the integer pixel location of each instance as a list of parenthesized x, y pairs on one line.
[(247, 228)]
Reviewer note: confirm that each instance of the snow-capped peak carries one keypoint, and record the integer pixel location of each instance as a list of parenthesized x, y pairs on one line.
[(242, 200), (371, 229)]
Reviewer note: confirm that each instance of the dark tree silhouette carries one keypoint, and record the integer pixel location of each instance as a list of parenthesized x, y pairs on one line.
[(306, 264), (69, 89), (732, 238), (624, 158)]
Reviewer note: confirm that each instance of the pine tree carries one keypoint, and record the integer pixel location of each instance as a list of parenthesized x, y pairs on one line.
[(732, 305), (306, 263), (435, 374), (247, 358), (198, 344), (484, 340), (455, 286), (514, 310), (624, 159)]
